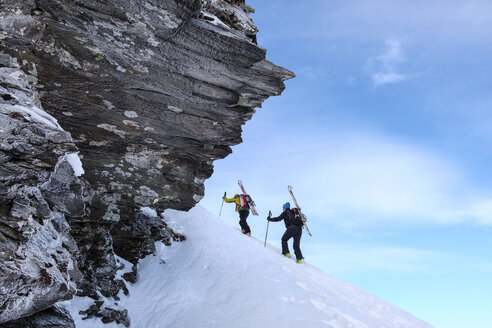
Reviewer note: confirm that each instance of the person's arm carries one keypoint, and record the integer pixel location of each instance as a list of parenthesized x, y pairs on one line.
[(278, 218), (229, 200)]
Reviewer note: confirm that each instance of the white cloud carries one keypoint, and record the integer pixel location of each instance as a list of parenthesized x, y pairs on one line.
[(308, 72), (353, 179), (482, 210), (393, 54), (362, 172), (358, 179), (383, 68), (387, 78)]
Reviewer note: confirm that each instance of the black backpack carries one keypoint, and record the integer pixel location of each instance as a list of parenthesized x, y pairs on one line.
[(293, 218)]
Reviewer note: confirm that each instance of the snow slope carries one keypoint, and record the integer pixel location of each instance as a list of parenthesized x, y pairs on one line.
[(221, 278)]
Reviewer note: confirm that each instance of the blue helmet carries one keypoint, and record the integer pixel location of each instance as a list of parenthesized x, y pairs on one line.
[(286, 206)]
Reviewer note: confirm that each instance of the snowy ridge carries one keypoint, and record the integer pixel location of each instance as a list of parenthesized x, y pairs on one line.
[(221, 278)]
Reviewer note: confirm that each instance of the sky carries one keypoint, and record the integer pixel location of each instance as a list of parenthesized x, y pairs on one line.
[(385, 135)]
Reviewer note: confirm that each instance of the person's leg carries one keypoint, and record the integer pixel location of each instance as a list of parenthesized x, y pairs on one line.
[(287, 235), (243, 215), (297, 242)]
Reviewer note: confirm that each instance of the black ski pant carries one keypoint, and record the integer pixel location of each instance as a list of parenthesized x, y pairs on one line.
[(296, 232), (243, 215)]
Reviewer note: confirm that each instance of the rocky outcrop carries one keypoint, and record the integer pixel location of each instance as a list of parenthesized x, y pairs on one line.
[(148, 93), (36, 250), (53, 317)]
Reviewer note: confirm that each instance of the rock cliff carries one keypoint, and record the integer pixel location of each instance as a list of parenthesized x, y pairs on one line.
[(106, 108)]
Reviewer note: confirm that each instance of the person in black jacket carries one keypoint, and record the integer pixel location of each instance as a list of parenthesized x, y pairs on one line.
[(293, 223)]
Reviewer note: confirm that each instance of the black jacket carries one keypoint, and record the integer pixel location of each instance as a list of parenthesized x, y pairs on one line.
[(289, 218)]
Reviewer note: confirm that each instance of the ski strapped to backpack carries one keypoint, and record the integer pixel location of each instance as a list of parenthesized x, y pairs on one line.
[(302, 216), (247, 199)]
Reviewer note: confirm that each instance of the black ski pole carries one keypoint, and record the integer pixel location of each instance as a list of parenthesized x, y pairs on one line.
[(222, 204), (268, 223)]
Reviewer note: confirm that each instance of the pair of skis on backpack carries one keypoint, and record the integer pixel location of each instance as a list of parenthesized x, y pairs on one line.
[(253, 209)]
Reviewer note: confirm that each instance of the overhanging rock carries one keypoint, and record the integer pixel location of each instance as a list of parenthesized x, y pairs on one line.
[(151, 92)]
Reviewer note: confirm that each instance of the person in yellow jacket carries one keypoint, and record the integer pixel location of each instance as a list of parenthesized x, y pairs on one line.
[(242, 208)]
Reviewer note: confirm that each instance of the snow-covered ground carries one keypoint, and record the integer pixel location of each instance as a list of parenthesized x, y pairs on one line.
[(219, 277)]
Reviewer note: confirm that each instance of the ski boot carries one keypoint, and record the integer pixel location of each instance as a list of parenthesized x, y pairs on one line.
[(287, 255), (299, 261)]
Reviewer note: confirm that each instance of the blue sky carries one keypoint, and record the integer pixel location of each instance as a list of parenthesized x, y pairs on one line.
[(386, 136)]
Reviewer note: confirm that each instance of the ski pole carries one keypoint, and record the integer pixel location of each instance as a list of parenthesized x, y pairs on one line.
[(222, 204), (268, 223)]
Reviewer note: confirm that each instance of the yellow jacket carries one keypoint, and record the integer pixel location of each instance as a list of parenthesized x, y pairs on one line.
[(237, 200)]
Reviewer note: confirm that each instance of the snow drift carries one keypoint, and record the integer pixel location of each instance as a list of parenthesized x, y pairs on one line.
[(221, 278)]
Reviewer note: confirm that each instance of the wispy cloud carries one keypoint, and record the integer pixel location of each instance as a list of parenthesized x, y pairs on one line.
[(360, 178), (482, 210), (353, 179), (387, 78), (308, 72), (383, 69)]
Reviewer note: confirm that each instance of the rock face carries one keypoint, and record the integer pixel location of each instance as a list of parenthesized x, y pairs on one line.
[(36, 251), (148, 93), (53, 317)]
